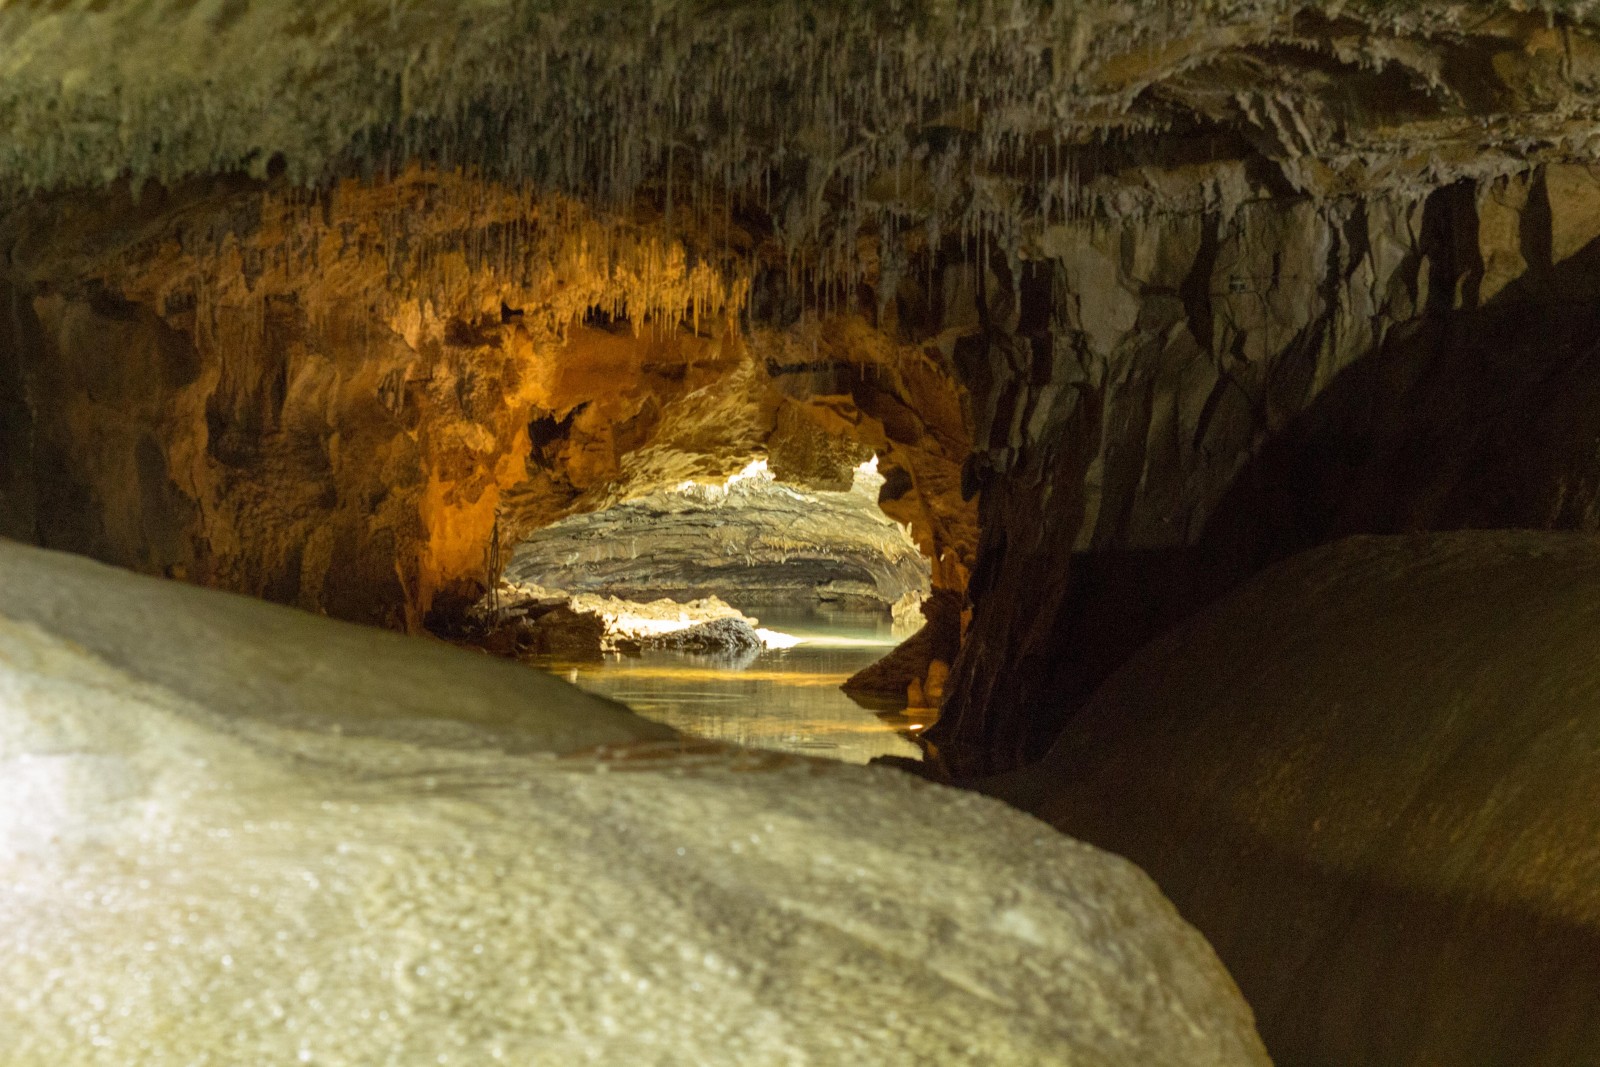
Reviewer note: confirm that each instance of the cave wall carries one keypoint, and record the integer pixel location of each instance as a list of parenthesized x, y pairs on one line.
[(1129, 242), (1165, 403), (318, 400), (357, 400)]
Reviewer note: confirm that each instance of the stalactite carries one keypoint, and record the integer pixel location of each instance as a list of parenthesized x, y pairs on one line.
[(595, 106)]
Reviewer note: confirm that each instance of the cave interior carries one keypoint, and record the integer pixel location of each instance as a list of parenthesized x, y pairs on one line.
[(1182, 419)]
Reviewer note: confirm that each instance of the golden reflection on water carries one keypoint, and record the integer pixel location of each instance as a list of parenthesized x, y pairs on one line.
[(692, 672), (787, 699)]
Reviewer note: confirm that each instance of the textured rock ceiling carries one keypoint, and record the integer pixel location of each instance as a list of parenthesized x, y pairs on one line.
[(988, 117)]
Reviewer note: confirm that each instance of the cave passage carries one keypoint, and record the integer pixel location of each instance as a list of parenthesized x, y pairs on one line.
[(785, 699), (1163, 435), (733, 610)]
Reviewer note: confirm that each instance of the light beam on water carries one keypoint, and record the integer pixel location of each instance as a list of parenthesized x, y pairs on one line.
[(786, 699)]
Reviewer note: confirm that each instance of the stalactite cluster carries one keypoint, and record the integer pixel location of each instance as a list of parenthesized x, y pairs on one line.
[(906, 121)]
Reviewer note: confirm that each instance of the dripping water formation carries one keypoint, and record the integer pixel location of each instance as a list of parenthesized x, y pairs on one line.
[(757, 532)]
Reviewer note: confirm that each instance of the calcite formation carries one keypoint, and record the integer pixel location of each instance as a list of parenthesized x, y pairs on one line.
[(902, 114), (257, 393), (767, 541), (238, 832), (360, 404)]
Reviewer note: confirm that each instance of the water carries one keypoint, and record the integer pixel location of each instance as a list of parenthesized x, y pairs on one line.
[(783, 699)]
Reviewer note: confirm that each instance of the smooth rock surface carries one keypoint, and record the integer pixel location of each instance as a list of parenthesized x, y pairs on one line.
[(1370, 778), (237, 833)]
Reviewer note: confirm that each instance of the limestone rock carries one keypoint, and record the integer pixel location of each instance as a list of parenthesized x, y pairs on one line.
[(1019, 116), (1368, 776), (237, 831), (921, 658), (1296, 371), (564, 634), (296, 402), (749, 535), (720, 637)]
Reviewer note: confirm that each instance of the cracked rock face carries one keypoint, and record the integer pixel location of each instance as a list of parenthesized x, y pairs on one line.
[(751, 538), (1142, 236), (1174, 402)]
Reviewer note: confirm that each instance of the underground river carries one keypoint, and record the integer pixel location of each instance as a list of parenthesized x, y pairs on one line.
[(784, 699)]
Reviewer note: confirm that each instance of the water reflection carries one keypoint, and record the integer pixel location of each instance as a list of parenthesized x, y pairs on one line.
[(784, 699)]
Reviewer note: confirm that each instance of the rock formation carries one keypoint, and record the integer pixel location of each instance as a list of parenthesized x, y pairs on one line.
[(1227, 388), (237, 387), (752, 535), (337, 303), (236, 831), (1367, 777), (270, 396), (1085, 261), (530, 622), (733, 638)]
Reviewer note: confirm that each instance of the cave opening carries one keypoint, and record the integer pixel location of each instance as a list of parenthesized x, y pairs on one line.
[(737, 609)]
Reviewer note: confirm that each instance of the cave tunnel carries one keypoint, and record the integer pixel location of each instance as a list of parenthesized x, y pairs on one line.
[(1012, 532)]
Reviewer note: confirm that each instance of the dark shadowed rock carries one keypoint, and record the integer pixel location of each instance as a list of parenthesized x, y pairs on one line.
[(562, 633), (730, 636), (1369, 777)]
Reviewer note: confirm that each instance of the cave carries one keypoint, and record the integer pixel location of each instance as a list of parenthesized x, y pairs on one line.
[(1008, 532)]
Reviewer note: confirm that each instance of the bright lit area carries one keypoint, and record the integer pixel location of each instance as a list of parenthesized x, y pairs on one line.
[(733, 609)]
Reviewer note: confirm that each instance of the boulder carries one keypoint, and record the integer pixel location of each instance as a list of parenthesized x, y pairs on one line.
[(1370, 778), (719, 637), (236, 833), (922, 660), (566, 634)]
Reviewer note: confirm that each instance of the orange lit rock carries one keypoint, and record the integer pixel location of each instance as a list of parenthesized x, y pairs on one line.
[(318, 401)]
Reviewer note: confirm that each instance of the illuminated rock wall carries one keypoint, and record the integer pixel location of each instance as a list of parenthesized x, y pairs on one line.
[(1137, 236), (317, 402), (1163, 405)]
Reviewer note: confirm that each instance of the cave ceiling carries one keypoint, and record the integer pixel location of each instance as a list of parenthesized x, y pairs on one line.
[(831, 118)]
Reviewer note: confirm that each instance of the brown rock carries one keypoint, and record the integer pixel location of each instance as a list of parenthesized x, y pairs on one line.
[(564, 634)]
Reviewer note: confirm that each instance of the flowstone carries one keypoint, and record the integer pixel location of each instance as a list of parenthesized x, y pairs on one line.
[(236, 833)]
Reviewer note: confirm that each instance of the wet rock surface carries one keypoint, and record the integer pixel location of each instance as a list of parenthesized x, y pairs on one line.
[(562, 633), (914, 674), (722, 637)]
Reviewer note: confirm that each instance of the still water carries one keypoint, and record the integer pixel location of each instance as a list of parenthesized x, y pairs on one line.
[(784, 699)]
